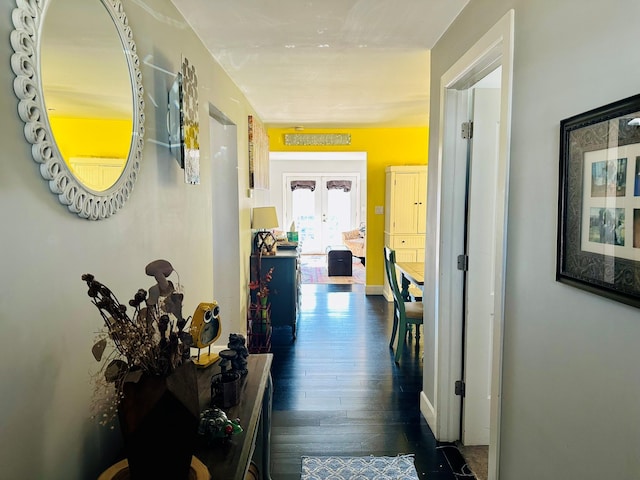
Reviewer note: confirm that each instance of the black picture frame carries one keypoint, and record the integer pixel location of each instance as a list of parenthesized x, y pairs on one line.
[(599, 201)]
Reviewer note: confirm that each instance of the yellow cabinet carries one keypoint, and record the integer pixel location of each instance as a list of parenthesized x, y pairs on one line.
[(406, 211)]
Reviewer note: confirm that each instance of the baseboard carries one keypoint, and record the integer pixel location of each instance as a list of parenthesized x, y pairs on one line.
[(429, 413), (373, 290)]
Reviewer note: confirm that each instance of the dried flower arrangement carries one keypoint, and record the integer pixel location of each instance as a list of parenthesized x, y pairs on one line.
[(258, 318), (151, 341), (261, 285)]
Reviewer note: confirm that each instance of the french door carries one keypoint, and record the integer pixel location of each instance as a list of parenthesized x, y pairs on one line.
[(322, 207)]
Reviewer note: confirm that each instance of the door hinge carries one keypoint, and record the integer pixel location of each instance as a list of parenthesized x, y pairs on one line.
[(459, 388), (463, 262), (467, 130)]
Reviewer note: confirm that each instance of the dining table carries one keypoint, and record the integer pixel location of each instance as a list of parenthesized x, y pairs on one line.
[(411, 273)]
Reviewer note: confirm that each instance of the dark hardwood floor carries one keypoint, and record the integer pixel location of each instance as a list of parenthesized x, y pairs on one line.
[(337, 390)]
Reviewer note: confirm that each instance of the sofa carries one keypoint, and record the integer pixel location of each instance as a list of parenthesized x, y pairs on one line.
[(354, 240)]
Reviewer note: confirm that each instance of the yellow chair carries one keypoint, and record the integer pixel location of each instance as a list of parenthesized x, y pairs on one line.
[(405, 313)]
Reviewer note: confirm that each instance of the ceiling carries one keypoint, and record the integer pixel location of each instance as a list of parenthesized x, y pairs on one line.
[(329, 63)]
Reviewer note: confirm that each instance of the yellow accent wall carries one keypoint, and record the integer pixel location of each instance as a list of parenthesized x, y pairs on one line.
[(82, 140), (384, 147), (92, 137)]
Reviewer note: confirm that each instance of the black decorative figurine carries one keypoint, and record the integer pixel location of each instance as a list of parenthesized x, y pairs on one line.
[(237, 343)]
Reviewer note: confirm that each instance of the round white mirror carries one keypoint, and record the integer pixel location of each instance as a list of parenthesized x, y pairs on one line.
[(80, 90)]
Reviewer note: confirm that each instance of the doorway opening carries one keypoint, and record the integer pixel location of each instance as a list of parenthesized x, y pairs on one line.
[(324, 194), (224, 198), (478, 276), (321, 207), (462, 394)]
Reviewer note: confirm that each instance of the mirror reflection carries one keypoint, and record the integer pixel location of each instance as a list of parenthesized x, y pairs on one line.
[(87, 90)]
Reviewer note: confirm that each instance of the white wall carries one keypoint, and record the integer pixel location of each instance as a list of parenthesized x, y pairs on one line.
[(571, 381), (47, 324)]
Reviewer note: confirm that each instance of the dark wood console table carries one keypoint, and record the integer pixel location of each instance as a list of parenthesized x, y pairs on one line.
[(230, 460)]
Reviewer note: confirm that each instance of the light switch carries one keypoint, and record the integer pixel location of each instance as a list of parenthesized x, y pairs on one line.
[(379, 210)]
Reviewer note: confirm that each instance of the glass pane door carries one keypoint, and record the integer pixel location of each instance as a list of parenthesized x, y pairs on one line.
[(337, 215), (306, 214), (322, 207)]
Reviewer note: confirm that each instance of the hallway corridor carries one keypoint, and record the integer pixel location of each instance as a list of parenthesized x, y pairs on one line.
[(337, 390)]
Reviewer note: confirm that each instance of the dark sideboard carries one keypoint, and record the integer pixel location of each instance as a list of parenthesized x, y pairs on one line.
[(284, 287)]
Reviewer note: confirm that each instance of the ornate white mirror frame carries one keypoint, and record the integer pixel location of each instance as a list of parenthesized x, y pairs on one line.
[(28, 17)]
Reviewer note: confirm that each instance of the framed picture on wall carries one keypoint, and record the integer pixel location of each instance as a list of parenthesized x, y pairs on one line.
[(599, 201), (258, 155)]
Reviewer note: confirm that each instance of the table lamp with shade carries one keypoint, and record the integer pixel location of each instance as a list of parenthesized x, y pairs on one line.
[(263, 219)]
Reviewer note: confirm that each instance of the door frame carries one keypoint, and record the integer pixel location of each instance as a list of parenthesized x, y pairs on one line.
[(443, 411)]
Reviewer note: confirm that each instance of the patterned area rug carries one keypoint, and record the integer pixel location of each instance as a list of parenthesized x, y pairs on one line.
[(313, 269), (359, 468)]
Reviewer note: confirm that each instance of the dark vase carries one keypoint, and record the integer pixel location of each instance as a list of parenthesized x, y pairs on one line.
[(159, 423), (259, 327)]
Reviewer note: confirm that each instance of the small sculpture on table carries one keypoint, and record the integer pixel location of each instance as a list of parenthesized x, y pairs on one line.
[(205, 329), (225, 386), (214, 424), (238, 344)]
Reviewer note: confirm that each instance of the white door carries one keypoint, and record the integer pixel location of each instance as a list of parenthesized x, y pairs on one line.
[(480, 277), (322, 207)]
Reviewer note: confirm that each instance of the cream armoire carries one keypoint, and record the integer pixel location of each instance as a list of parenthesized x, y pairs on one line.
[(405, 222)]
